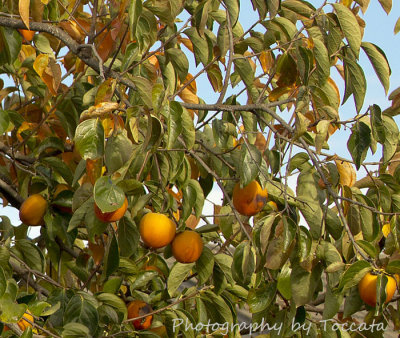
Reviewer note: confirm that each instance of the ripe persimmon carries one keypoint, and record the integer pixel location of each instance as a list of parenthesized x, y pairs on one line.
[(32, 210), (111, 216), (27, 34), (187, 246), (367, 288), (250, 199), (138, 308), (156, 230)]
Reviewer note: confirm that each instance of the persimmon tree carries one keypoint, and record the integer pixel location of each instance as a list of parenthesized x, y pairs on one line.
[(102, 122)]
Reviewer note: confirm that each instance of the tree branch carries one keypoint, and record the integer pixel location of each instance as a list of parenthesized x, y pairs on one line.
[(72, 45)]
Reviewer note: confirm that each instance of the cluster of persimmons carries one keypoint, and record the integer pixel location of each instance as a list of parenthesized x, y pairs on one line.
[(157, 230)]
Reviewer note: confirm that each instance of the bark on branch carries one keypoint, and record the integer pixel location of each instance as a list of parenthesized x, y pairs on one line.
[(72, 45)]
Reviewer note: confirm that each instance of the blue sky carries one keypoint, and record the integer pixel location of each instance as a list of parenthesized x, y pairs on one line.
[(379, 30)]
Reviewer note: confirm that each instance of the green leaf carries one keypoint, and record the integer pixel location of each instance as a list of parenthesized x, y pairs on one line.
[(368, 219), (391, 138), (3, 282), (42, 43), (223, 39), (332, 303), (79, 310), (144, 87), (308, 191), (112, 285), (283, 285), (379, 62), (354, 274), (273, 7), (114, 301), (243, 67), (225, 262), (322, 133), (30, 254), (393, 267), (4, 121), (355, 82), (188, 131), (350, 27), (89, 139), (10, 312), (128, 237), (11, 42), (359, 142), (135, 9), (107, 195), (111, 258), (200, 46), (243, 263), (177, 275), (261, 298), (302, 8), (304, 240), (179, 61), (233, 7), (217, 309), (205, 265), (79, 214), (261, 7), (378, 128), (193, 198), (322, 59), (118, 150), (75, 330), (51, 142), (154, 133), (60, 167), (304, 283), (131, 54), (174, 123), (299, 161), (368, 247), (250, 162)]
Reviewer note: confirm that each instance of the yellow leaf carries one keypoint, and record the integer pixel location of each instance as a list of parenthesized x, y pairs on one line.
[(335, 87), (45, 2), (266, 61), (187, 96), (347, 174), (40, 64), (49, 71), (347, 3), (25, 126), (23, 8), (386, 229)]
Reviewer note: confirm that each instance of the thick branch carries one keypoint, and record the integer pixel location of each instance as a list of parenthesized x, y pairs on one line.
[(72, 45), (12, 196)]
